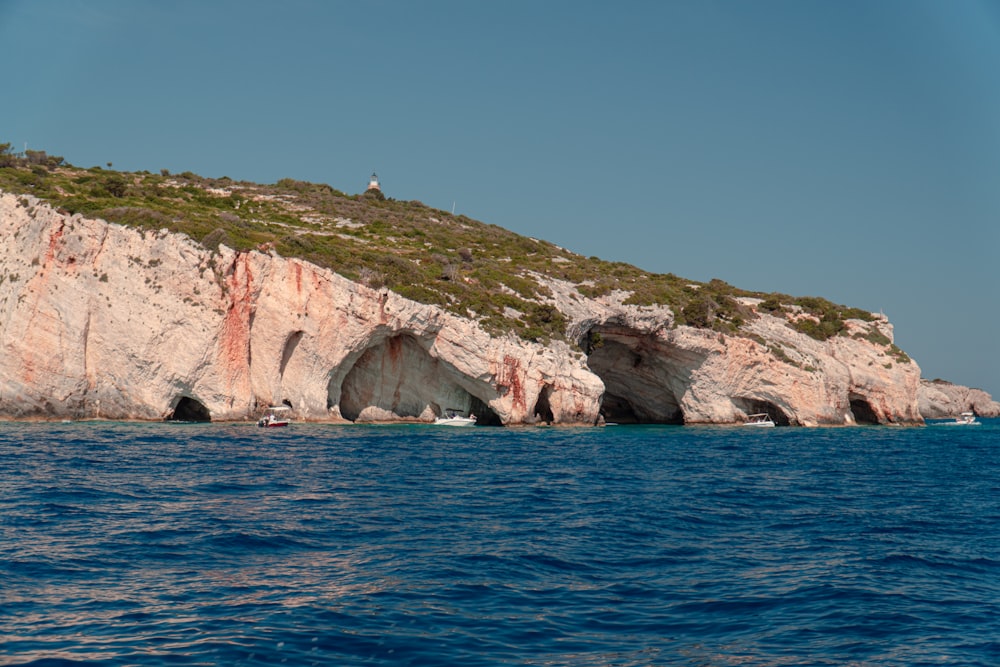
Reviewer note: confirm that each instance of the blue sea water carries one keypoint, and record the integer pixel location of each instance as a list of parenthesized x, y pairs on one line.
[(212, 544)]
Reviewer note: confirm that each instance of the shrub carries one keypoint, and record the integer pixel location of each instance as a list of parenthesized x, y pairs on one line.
[(215, 238), (771, 305), (135, 216), (372, 278), (857, 314), (698, 313), (419, 293), (898, 354), (826, 328), (547, 317), (877, 337), (115, 185), (486, 269)]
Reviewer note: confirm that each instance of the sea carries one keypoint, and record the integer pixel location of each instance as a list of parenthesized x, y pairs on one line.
[(226, 544)]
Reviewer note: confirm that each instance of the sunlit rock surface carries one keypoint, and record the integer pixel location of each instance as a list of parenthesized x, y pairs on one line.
[(939, 399), (104, 321)]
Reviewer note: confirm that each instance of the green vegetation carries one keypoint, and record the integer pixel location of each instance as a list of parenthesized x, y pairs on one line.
[(831, 317), (429, 255)]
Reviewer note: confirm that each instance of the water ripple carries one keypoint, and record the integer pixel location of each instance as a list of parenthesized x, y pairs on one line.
[(148, 544)]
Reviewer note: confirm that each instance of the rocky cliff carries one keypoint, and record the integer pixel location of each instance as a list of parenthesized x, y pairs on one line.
[(939, 399), (98, 320)]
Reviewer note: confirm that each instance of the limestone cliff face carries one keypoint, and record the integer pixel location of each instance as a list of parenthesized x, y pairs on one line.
[(940, 400), (100, 320), (654, 371)]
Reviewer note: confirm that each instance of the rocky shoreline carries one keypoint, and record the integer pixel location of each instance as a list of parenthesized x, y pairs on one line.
[(102, 321)]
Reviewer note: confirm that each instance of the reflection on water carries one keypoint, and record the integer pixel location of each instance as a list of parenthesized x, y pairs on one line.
[(217, 544)]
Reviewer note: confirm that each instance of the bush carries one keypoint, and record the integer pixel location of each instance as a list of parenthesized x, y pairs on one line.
[(877, 337), (827, 327), (771, 305), (116, 185), (215, 238), (698, 313), (486, 269), (547, 317), (136, 216)]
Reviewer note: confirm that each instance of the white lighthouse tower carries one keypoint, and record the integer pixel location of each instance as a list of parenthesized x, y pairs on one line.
[(373, 183)]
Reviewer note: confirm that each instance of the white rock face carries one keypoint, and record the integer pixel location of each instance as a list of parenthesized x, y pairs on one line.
[(656, 372), (102, 321), (941, 400)]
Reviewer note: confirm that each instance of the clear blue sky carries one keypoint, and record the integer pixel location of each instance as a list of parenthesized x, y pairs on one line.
[(838, 148)]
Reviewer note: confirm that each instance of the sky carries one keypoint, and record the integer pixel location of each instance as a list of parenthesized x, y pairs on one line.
[(846, 149)]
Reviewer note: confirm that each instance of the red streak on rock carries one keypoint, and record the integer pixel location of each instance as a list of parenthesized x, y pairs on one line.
[(235, 343), (54, 240), (394, 348), (510, 376)]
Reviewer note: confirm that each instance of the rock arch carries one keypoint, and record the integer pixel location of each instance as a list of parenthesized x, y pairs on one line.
[(752, 406), (485, 416), (396, 379), (862, 410), (543, 409), (187, 409), (643, 375)]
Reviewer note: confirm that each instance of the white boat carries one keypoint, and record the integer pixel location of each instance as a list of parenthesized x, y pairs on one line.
[(277, 415), (964, 419), (761, 419), (454, 418)]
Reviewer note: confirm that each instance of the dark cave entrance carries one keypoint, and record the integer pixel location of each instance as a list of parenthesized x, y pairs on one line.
[(754, 406), (189, 410), (638, 375), (485, 416), (617, 410), (543, 410), (862, 411)]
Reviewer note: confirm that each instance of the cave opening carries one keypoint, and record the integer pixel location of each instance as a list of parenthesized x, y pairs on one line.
[(543, 410), (485, 416), (753, 406), (638, 374), (617, 410), (862, 411), (396, 379), (189, 410)]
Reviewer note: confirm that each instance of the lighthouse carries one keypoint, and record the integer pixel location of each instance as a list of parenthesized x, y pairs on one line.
[(373, 183)]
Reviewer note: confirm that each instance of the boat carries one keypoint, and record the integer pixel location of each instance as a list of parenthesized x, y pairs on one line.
[(964, 419), (761, 419), (455, 418), (277, 415)]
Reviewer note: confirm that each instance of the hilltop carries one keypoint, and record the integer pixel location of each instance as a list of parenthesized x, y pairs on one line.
[(150, 296), (467, 267)]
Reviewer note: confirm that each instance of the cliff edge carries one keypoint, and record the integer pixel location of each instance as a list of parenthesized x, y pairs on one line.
[(100, 320), (939, 399)]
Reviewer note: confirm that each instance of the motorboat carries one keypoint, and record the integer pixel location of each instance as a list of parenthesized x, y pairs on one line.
[(761, 419), (455, 418), (276, 416), (964, 419)]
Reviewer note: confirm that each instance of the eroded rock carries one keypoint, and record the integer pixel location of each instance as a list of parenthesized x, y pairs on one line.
[(104, 321), (939, 399)]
